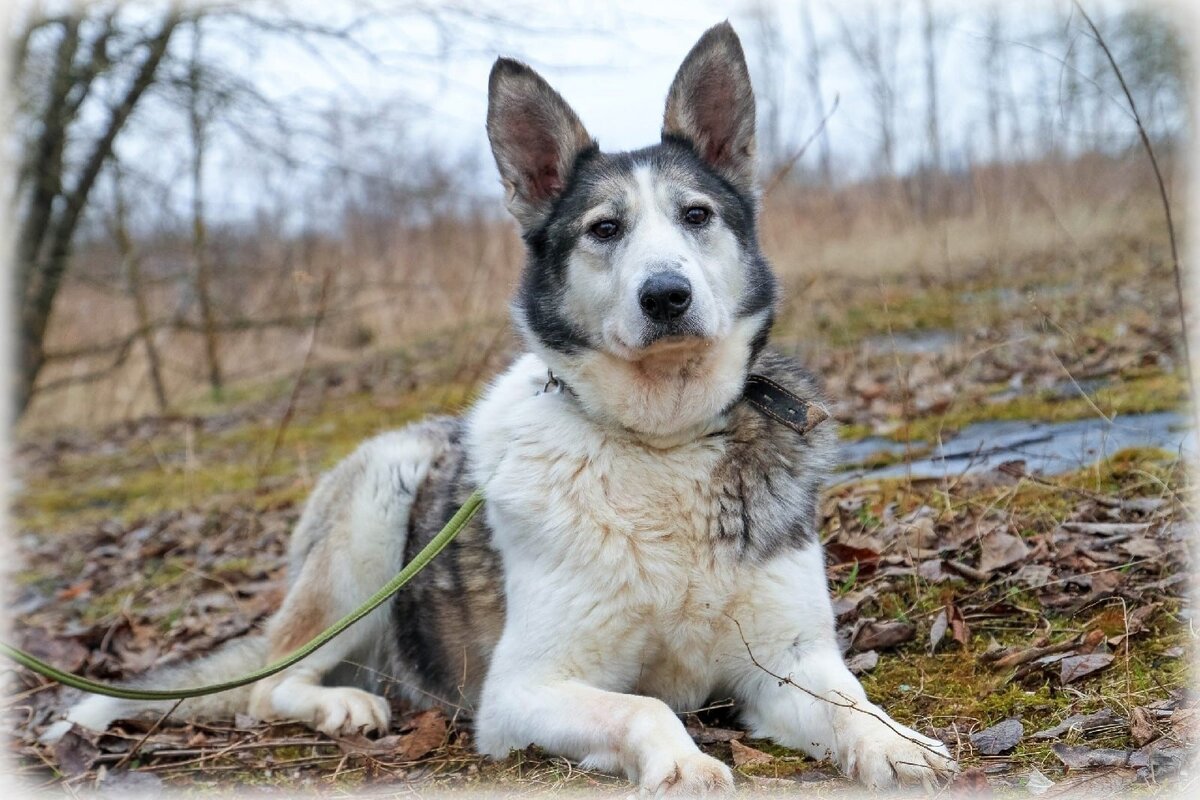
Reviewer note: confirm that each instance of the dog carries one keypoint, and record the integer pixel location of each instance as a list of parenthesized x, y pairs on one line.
[(649, 538)]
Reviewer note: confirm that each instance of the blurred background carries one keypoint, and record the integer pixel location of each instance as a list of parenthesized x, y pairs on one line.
[(203, 189)]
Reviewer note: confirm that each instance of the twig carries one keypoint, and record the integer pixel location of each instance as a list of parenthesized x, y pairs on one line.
[(290, 410), (786, 167), (849, 703), (1166, 203), (138, 746)]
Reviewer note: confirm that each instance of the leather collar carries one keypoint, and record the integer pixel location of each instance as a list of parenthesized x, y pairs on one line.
[(782, 405)]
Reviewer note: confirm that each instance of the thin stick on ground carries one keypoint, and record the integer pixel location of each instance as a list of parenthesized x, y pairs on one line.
[(138, 746), (1166, 203), (848, 702)]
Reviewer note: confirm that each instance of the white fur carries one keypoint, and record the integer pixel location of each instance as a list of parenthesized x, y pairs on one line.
[(621, 606), (672, 389)]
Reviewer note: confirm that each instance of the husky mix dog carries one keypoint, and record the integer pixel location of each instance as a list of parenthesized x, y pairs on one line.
[(649, 538)]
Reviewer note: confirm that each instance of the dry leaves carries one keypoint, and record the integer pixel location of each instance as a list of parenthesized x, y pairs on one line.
[(1000, 738)]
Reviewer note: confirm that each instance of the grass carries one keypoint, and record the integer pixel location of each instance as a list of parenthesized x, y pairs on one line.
[(175, 470), (1139, 394)]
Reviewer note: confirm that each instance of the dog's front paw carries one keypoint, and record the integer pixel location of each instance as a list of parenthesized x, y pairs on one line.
[(685, 775), (884, 756), (342, 711)]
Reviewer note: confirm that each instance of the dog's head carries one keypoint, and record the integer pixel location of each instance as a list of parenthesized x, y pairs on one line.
[(644, 288)]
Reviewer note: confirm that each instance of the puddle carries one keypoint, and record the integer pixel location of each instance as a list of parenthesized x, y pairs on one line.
[(1046, 448), (912, 342)]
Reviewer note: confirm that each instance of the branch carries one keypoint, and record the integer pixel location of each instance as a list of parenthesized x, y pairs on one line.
[(45, 160), (785, 168), (63, 230), (1166, 203), (847, 702), (240, 324)]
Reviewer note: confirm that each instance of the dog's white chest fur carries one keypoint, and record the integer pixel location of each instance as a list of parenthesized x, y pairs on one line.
[(597, 529)]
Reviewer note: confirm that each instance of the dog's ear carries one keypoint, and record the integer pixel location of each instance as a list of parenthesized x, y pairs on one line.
[(535, 138), (711, 105)]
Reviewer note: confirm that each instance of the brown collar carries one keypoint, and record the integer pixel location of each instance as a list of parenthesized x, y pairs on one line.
[(782, 405)]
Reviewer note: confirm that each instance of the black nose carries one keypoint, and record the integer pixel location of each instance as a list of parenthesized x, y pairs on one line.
[(665, 296)]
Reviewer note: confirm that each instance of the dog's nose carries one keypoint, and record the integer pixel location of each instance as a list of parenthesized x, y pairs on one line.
[(665, 296)]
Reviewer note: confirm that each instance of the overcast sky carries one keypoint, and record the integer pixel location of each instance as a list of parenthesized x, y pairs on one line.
[(613, 61)]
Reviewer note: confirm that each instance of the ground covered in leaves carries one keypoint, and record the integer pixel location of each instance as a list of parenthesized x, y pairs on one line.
[(1038, 622)]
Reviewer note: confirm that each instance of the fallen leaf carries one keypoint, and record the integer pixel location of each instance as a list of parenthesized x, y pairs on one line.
[(1037, 783), (937, 630), (931, 571), (875, 635), (1151, 761), (1034, 576), (1083, 723), (126, 783), (75, 590), (1078, 667), (1000, 738), (971, 783), (999, 550), (1105, 528), (76, 752), (357, 744), (959, 630), (1142, 729), (702, 734), (424, 734), (744, 754), (1142, 547), (863, 662)]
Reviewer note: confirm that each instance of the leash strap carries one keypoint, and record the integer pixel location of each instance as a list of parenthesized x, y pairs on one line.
[(419, 562), (782, 405)]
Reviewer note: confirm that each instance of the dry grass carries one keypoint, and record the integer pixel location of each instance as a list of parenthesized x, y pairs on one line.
[(394, 287)]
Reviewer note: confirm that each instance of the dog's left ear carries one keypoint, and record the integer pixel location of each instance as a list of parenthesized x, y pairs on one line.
[(711, 105), (535, 137)]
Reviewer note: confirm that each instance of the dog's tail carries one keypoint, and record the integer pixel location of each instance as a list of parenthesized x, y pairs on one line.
[(234, 658)]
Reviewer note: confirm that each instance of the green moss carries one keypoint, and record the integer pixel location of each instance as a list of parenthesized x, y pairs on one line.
[(1163, 391), (891, 309), (169, 472)]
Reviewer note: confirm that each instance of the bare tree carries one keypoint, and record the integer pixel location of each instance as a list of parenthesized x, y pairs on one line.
[(929, 31), (812, 74), (131, 258), (54, 191), (201, 266), (992, 73), (872, 42)]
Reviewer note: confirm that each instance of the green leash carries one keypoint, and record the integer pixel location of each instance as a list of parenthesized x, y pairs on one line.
[(419, 562)]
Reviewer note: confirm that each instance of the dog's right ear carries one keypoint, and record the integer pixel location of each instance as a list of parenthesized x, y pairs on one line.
[(535, 138)]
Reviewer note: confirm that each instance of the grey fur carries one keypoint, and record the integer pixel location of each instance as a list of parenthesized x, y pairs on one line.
[(711, 106)]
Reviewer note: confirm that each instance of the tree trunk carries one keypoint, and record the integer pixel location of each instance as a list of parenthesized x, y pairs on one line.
[(203, 267), (44, 241), (137, 291), (813, 74)]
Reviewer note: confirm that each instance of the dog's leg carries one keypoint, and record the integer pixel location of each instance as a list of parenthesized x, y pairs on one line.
[(297, 693), (609, 731), (821, 709), (348, 543)]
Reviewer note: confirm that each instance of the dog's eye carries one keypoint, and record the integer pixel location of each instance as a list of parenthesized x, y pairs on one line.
[(605, 229), (696, 215)]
